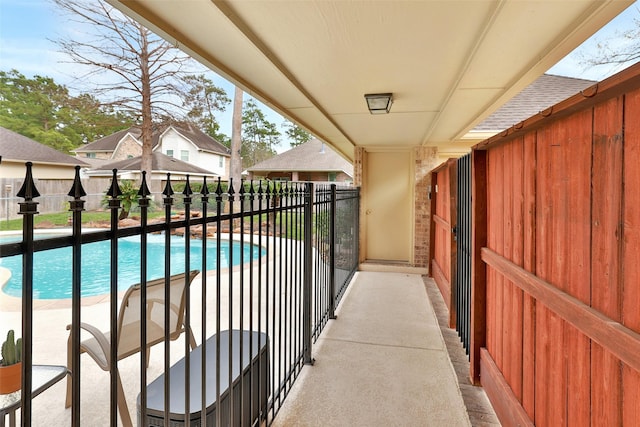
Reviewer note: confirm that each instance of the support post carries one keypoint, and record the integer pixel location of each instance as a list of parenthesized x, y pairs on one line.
[(76, 206), (332, 254), (308, 273), (29, 209)]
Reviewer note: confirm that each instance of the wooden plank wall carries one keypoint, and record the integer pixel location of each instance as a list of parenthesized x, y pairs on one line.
[(563, 268), (443, 260)]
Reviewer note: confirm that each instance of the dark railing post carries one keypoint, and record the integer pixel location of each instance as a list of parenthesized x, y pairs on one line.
[(114, 194), (308, 273), (332, 254), (143, 203), (168, 202), (76, 206), (28, 208), (204, 197), (186, 200)]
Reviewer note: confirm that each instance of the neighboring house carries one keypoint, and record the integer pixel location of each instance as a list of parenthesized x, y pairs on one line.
[(311, 161), (161, 164), (181, 141), (48, 163), (53, 173), (544, 92)]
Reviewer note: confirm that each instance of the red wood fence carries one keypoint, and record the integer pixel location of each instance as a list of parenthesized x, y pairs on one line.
[(556, 271), (443, 248)]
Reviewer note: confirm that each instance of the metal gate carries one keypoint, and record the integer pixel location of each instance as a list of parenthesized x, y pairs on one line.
[(463, 244)]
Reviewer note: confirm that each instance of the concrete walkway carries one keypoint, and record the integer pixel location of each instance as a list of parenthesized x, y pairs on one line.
[(383, 362)]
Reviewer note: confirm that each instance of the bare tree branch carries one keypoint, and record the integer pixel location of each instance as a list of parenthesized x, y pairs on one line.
[(131, 68)]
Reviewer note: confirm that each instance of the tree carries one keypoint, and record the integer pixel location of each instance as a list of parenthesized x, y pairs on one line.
[(259, 135), (620, 50), (296, 134), (204, 99), (134, 70), (236, 136), (44, 111)]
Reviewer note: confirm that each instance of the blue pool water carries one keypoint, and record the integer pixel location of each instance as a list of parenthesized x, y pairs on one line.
[(52, 268)]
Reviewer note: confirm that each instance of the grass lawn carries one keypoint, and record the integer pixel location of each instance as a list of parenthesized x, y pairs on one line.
[(61, 219)]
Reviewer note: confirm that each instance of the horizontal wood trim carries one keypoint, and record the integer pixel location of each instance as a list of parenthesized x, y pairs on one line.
[(621, 341), (442, 282), (508, 409), (441, 222)]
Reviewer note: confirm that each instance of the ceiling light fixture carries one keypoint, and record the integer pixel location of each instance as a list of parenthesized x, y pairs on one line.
[(379, 103)]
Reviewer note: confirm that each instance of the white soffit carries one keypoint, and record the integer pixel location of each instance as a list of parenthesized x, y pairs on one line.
[(449, 64)]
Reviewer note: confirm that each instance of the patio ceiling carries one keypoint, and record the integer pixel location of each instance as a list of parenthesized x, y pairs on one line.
[(449, 64)]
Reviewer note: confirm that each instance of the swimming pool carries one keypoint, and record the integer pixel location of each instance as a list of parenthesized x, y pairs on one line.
[(52, 268)]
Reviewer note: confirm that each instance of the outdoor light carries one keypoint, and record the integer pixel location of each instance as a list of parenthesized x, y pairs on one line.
[(379, 103)]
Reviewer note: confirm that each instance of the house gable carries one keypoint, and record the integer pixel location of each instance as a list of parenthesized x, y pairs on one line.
[(127, 147)]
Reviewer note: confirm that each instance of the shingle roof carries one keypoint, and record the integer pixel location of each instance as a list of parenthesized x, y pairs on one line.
[(196, 136), (546, 91), (312, 156), (14, 146), (159, 162), (109, 142)]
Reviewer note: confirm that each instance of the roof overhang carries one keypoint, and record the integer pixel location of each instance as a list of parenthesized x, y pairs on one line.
[(449, 64)]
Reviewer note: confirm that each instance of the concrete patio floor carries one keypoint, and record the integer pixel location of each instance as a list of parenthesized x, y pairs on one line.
[(382, 362)]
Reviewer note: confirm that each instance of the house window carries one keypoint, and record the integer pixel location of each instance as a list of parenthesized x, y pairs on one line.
[(184, 155), (220, 161), (91, 155), (170, 153), (332, 176)]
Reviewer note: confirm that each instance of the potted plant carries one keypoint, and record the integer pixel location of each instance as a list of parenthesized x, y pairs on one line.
[(11, 364)]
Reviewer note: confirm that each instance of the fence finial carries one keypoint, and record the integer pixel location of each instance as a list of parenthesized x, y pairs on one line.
[(114, 191), (205, 188), (77, 190), (144, 191), (28, 191), (187, 188), (219, 189)]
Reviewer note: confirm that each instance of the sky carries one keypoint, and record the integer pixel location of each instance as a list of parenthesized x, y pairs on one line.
[(28, 26)]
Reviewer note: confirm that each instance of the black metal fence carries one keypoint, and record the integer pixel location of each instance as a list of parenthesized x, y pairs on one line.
[(463, 243), (257, 308)]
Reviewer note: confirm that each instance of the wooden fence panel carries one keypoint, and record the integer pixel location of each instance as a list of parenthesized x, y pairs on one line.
[(563, 262), (606, 252), (529, 166), (631, 251), (443, 261)]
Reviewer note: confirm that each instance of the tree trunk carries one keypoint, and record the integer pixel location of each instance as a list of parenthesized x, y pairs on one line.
[(236, 138), (236, 146), (147, 125)]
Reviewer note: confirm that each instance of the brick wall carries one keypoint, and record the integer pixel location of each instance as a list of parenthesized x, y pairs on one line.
[(426, 158)]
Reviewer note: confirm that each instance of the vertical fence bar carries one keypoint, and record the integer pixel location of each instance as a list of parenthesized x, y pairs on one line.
[(231, 200), (28, 209), (186, 200), (218, 293), (143, 203), (114, 194), (241, 196), (204, 197), (76, 206), (252, 376), (270, 293), (308, 273), (167, 201)]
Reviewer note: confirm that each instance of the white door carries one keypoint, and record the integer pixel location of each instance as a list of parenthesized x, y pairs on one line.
[(388, 188)]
